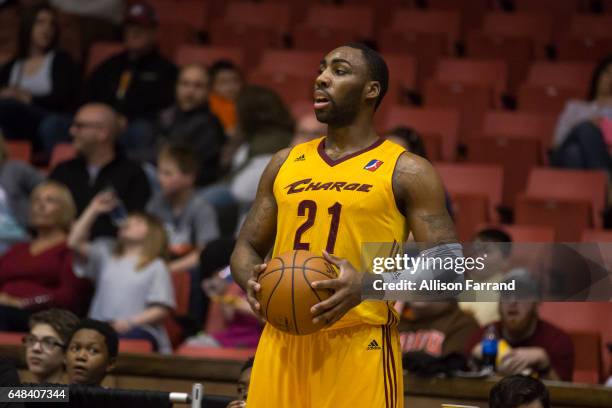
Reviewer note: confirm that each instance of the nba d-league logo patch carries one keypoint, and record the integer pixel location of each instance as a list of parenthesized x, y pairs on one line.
[(373, 165)]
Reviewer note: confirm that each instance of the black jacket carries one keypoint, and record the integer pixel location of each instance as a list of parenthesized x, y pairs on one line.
[(199, 128), (124, 175), (64, 78)]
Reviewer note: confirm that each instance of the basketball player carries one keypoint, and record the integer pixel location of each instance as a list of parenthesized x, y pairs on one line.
[(332, 194)]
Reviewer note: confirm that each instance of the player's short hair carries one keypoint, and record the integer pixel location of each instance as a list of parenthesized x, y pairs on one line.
[(183, 155), (60, 320), (517, 390), (377, 67), (496, 235), (110, 335)]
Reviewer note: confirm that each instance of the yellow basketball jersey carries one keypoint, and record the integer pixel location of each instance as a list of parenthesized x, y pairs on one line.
[(338, 206)]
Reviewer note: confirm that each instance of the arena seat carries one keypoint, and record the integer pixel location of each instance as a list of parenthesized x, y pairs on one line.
[(588, 362), (517, 52), (174, 35), (545, 99), (61, 152), (561, 11), (19, 150), (536, 26), (181, 283), (566, 75), (572, 185), (454, 96), (100, 51), (583, 49), (472, 11), (187, 54), (433, 124), (135, 346), (596, 235), (521, 233), (11, 338), (274, 15), (325, 26), (291, 88), (445, 22), (193, 13), (290, 62), (568, 217), (590, 26), (402, 70)]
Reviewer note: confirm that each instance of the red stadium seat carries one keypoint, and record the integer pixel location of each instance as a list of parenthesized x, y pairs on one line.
[(304, 64), (433, 124), (11, 338), (477, 180), (592, 235), (174, 35), (590, 26), (472, 11), (588, 362), (536, 26), (19, 150), (291, 88), (492, 73), (572, 185), (468, 211), (100, 52), (568, 217), (517, 52), (61, 152), (428, 35), (181, 283), (561, 11), (545, 99), (566, 75), (454, 96), (327, 26), (187, 54), (529, 233), (135, 346), (583, 49), (402, 70), (192, 13), (268, 15)]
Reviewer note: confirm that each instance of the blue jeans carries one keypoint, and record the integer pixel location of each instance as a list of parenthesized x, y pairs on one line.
[(584, 148)]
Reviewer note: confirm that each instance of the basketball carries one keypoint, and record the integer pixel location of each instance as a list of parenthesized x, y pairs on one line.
[(286, 294)]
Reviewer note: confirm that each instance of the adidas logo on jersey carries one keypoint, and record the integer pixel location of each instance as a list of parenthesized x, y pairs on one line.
[(373, 345), (301, 157)]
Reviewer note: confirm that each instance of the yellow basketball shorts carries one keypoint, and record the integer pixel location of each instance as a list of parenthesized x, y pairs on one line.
[(353, 367)]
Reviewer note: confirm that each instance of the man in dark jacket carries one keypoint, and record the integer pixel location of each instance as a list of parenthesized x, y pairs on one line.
[(137, 82), (191, 122)]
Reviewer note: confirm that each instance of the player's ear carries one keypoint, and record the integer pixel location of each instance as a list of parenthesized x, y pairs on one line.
[(372, 90)]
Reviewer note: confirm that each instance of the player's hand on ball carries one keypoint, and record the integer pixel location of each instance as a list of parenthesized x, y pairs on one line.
[(253, 287), (347, 292)]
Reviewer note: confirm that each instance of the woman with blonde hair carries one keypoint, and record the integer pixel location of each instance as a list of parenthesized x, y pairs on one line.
[(133, 287), (38, 274)]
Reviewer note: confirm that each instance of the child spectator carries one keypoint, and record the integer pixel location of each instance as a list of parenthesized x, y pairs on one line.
[(189, 220), (225, 84), (38, 274), (133, 287), (519, 391), (92, 352), (46, 343), (243, 385)]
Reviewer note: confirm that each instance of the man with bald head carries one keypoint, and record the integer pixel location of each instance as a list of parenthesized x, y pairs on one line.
[(190, 122), (99, 165)]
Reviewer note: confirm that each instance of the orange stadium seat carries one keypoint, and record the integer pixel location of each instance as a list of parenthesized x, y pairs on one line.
[(304, 64), (517, 52), (476, 193), (19, 150), (428, 35), (101, 51), (492, 73), (187, 54), (572, 185), (454, 96), (326, 26), (439, 128), (506, 136)]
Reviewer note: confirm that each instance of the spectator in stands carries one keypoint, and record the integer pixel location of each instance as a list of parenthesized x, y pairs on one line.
[(266, 126), (189, 220), (191, 122), (497, 245), (17, 179), (243, 385), (133, 287), (45, 344), (137, 82), (41, 80), (583, 137), (519, 391), (308, 128), (99, 166), (92, 352), (38, 274), (433, 336), (225, 85), (536, 346)]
